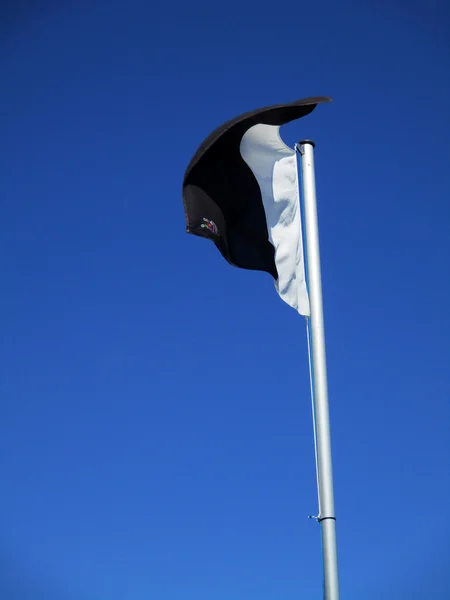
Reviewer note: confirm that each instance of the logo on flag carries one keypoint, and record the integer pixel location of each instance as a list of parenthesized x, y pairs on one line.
[(210, 225)]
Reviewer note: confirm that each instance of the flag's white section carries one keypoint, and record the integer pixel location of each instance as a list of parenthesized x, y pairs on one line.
[(275, 167)]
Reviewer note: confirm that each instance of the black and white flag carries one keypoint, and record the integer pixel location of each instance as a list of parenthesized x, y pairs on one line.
[(241, 190)]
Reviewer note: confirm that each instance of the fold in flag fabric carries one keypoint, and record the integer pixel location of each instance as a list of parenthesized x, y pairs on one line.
[(241, 191)]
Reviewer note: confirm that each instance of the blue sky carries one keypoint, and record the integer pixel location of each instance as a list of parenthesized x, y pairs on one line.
[(155, 415)]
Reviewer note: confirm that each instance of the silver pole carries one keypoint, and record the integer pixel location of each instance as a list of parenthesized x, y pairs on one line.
[(326, 515)]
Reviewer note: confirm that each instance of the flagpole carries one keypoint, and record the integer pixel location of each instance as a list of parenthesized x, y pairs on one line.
[(326, 516)]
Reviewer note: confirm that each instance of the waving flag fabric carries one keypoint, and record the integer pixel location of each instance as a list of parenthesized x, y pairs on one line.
[(241, 191)]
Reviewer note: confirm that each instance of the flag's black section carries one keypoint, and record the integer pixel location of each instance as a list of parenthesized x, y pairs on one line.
[(221, 196)]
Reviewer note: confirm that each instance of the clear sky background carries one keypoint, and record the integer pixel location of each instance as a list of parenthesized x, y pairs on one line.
[(156, 437)]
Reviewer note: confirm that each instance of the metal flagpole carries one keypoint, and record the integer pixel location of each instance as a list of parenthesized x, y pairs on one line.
[(326, 515)]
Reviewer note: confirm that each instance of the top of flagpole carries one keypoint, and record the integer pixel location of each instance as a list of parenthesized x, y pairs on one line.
[(310, 142)]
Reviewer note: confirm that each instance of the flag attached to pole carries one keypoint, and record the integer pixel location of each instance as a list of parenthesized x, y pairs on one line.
[(241, 191)]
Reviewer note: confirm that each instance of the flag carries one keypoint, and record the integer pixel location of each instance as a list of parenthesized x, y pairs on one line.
[(241, 191)]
